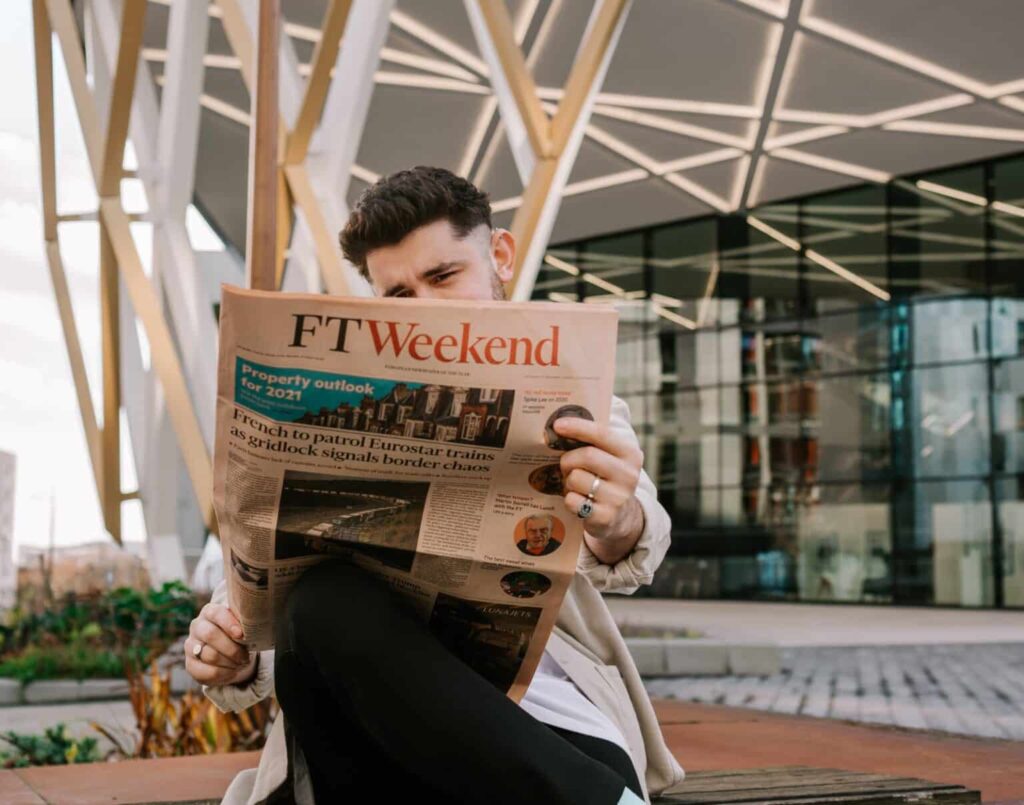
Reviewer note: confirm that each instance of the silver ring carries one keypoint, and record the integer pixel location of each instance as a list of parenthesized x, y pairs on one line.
[(593, 488), (585, 510), (197, 649)]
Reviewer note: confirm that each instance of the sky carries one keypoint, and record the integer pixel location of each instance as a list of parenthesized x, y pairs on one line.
[(39, 416)]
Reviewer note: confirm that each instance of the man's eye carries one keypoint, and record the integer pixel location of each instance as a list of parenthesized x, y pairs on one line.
[(439, 278)]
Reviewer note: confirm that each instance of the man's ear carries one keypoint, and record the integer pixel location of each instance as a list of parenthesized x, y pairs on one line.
[(503, 250)]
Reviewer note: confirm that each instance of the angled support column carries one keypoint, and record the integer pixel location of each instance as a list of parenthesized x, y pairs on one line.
[(314, 233), (165, 142), (262, 233), (104, 152), (109, 186), (555, 142), (48, 176)]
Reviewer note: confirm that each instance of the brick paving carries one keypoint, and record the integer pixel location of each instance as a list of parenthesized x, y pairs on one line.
[(975, 689)]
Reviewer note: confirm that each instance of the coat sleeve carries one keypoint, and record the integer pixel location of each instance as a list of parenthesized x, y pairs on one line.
[(626, 575), (231, 698)]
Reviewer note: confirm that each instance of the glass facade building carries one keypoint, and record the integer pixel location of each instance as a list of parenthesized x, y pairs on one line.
[(830, 390)]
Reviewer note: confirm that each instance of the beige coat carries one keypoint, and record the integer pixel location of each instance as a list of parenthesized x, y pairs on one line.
[(585, 642)]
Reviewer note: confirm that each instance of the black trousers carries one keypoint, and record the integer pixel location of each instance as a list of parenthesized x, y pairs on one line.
[(382, 710)]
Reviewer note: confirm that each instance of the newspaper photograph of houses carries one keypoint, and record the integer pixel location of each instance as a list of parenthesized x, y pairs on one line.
[(412, 438)]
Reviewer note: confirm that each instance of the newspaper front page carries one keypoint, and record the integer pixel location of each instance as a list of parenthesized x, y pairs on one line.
[(413, 438)]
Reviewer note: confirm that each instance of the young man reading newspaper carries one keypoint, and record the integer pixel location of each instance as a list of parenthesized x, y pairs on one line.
[(375, 708)]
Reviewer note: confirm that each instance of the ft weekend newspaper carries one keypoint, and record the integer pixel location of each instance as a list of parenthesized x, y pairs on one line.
[(413, 438)]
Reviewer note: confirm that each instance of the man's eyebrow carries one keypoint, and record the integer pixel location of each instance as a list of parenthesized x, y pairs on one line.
[(440, 268), (433, 271)]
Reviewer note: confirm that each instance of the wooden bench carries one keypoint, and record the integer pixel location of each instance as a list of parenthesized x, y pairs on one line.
[(803, 785)]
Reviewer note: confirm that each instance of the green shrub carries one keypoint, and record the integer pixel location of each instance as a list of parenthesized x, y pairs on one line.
[(99, 635), (53, 748), (62, 662)]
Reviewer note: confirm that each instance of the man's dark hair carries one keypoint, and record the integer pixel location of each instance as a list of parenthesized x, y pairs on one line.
[(397, 204)]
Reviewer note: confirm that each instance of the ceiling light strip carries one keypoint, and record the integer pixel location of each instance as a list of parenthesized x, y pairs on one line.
[(561, 265), (895, 56), (957, 130), (951, 192), (847, 275), (666, 301), (1017, 104), (803, 136), (611, 287), (698, 192), (1009, 209), (833, 165), (709, 290), (699, 160), (364, 174), (773, 8), (427, 64), (623, 149), (429, 82), (773, 233), (442, 44), (506, 204), (917, 109), (667, 124), (604, 182), (657, 104), (665, 313)]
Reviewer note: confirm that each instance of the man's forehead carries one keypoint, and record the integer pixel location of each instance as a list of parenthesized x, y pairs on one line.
[(426, 246)]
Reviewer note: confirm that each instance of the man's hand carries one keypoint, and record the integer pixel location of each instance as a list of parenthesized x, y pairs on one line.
[(618, 519), (223, 660)]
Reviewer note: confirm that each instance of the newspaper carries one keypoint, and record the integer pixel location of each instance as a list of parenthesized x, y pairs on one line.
[(415, 439)]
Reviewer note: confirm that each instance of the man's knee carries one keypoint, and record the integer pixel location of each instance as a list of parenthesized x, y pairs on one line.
[(331, 595)]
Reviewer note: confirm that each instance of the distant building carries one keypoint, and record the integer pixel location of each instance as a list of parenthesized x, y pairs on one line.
[(81, 569), (442, 413), (8, 577)]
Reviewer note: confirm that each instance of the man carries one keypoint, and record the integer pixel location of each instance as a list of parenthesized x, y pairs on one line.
[(538, 540), (375, 709)]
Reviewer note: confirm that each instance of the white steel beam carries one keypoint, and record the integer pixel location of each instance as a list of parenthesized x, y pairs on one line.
[(332, 151), (592, 58)]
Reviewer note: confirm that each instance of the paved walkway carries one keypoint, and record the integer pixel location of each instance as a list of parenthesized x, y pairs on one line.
[(702, 737), (963, 689), (823, 624)]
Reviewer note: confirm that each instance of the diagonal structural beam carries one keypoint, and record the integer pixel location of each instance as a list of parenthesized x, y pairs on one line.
[(133, 15), (262, 231), (296, 175), (579, 87), (164, 357), (48, 175), (512, 76), (116, 224), (789, 29), (324, 58), (123, 87), (535, 218), (554, 144)]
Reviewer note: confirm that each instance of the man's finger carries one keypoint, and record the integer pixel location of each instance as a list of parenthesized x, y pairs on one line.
[(583, 430), (209, 654), (602, 515), (595, 461), (211, 634), (225, 619), (582, 481), (208, 674)]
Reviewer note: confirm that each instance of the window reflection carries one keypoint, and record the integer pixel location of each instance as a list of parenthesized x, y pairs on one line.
[(830, 391)]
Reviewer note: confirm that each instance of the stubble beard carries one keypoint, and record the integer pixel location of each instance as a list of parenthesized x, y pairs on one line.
[(497, 288)]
